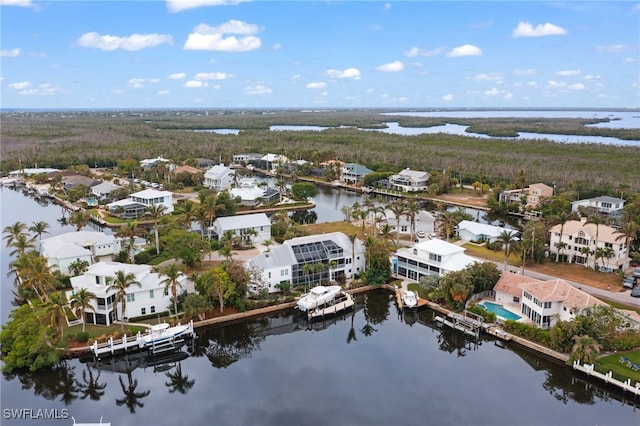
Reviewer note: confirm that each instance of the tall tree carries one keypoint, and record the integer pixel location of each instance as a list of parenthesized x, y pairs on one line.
[(79, 218), (80, 302), (595, 219), (120, 284), (172, 273), (562, 219), (21, 244), (54, 311), (11, 232), (627, 232), (412, 210), (398, 209), (187, 212), (506, 239), (155, 212), (129, 231), (39, 228)]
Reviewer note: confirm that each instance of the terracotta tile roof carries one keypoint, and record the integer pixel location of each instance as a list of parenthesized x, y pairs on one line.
[(561, 291), (510, 283), (605, 233)]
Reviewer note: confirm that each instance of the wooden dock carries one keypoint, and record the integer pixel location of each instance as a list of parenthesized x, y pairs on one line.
[(589, 370), (137, 343), (461, 323)]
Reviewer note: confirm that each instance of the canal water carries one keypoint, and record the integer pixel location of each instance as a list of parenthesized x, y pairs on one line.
[(370, 367)]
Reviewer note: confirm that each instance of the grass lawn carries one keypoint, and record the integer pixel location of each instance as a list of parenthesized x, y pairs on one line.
[(620, 370), (96, 331), (497, 256)]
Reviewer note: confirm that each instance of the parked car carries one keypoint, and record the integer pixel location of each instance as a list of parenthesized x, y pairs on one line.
[(432, 236), (421, 234), (629, 282), (636, 292), (636, 273)]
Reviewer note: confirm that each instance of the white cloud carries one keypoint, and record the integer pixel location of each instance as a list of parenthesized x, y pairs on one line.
[(132, 42), (212, 76), (177, 76), (492, 92), (296, 77), (20, 3), (529, 71), (387, 6), (508, 95), (465, 50), (568, 73), (136, 83), (417, 51), (257, 90), (391, 67), (532, 84), (118, 91), (10, 53), (576, 86), (163, 92), (205, 37), (525, 29), (44, 89), (20, 86), (194, 84), (630, 60), (316, 85), (154, 80), (276, 46), (180, 5), (448, 97), (493, 77), (615, 48), (347, 73)]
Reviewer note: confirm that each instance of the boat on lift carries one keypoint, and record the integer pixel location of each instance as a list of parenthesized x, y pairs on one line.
[(317, 296)]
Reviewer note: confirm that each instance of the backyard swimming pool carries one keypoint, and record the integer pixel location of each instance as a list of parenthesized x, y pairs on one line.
[(499, 310)]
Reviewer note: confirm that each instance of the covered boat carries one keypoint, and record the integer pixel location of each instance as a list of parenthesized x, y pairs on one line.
[(317, 296), (409, 299)]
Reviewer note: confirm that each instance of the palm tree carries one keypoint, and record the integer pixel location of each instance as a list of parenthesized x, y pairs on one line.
[(596, 220), (120, 284), (172, 272), (307, 269), (587, 252), (39, 228), (54, 311), (11, 232), (201, 216), (80, 302), (209, 205), (369, 244), (377, 212), (21, 244), (627, 232), (155, 211), (562, 219), (585, 349), (398, 209), (188, 211), (446, 222), (332, 265), (412, 210), (79, 218), (130, 231), (36, 273), (506, 239)]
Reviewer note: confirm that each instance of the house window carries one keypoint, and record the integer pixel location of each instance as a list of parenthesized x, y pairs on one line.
[(415, 252), (403, 228), (547, 305), (150, 294), (166, 292), (435, 257), (153, 309), (143, 311), (131, 297), (516, 299), (269, 274), (283, 272)]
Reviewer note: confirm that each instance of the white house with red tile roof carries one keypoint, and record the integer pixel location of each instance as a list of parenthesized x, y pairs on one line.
[(542, 302), (578, 236)]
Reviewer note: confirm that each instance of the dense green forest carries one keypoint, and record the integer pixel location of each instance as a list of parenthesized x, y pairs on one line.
[(61, 139)]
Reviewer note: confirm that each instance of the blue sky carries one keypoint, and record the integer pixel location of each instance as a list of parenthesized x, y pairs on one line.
[(319, 54)]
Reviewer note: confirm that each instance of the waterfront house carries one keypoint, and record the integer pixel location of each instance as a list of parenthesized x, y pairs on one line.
[(138, 203), (272, 161), (205, 163), (31, 172), (408, 180), (244, 159), (542, 302), (219, 177), (187, 169), (531, 195), (431, 257), (605, 204), (244, 227), (90, 246), (251, 194), (479, 232), (74, 181), (579, 245), (147, 299), (424, 221), (103, 189), (353, 173), (307, 261)]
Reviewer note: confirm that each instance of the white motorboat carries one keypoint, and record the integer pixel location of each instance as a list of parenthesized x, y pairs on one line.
[(317, 296), (163, 333), (409, 299), (340, 302)]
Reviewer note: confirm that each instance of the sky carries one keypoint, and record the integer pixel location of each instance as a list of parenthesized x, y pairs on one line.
[(319, 54)]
